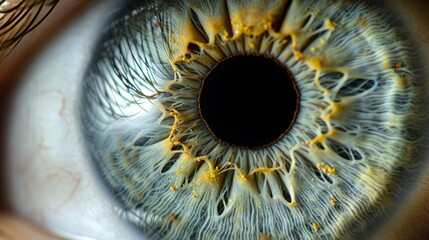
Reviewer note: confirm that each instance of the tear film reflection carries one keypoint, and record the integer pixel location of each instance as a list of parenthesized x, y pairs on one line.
[(355, 136)]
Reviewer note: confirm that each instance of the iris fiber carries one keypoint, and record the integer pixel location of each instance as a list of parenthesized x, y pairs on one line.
[(333, 172), (241, 111)]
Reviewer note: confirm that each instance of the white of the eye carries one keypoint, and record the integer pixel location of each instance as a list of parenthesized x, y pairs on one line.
[(50, 174)]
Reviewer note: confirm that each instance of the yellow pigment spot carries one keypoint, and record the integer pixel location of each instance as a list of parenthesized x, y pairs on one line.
[(214, 27), (225, 34), (172, 188), (292, 204), (332, 200), (194, 195), (243, 177), (172, 218), (398, 67), (174, 114), (332, 171), (335, 108), (237, 25), (326, 169), (329, 24), (140, 195), (362, 22), (294, 45), (252, 45), (322, 137), (316, 63), (217, 25), (268, 26), (248, 29), (265, 237), (212, 176), (316, 227), (264, 170), (299, 56), (386, 64), (401, 81)]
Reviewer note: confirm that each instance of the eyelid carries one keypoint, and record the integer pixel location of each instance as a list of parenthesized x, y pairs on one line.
[(17, 61), (13, 227)]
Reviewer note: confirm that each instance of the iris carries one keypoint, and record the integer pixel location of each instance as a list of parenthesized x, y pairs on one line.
[(253, 119)]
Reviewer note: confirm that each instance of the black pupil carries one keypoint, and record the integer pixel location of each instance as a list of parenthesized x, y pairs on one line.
[(249, 101)]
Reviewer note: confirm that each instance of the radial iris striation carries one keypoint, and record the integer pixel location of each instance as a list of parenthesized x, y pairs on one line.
[(179, 95)]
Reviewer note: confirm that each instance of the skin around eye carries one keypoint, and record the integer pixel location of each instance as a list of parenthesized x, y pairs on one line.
[(356, 141), (401, 228)]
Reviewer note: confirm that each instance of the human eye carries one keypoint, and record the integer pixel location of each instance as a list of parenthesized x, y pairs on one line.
[(349, 154)]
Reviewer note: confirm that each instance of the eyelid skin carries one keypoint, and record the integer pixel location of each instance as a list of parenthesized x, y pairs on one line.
[(15, 228), (409, 221)]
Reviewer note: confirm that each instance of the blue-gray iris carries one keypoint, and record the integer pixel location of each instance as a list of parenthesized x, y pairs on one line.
[(351, 143)]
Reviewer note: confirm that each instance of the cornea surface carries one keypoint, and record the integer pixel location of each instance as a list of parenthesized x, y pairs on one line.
[(353, 141)]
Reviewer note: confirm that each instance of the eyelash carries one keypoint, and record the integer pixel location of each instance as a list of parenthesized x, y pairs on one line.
[(19, 18), (132, 92)]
